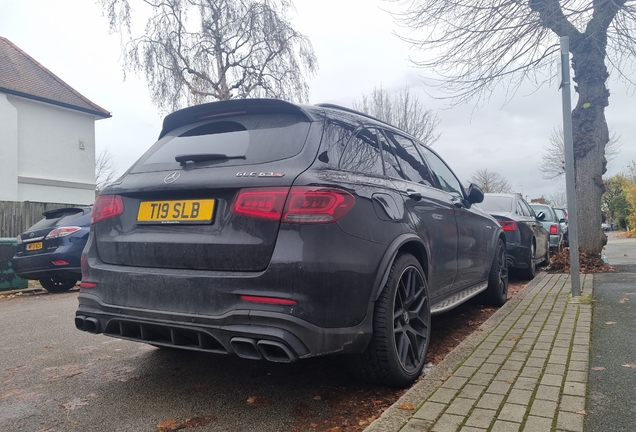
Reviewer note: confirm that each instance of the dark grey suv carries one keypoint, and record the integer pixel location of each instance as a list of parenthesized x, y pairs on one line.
[(278, 231)]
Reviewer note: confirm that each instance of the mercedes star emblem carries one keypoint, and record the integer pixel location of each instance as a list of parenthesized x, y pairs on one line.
[(171, 177)]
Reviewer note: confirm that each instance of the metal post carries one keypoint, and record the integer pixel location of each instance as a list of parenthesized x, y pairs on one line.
[(573, 230)]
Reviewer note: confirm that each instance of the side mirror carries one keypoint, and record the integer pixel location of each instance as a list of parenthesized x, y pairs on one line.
[(540, 216), (475, 194), (563, 220)]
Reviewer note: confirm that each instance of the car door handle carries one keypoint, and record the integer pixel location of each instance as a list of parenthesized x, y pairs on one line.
[(416, 196)]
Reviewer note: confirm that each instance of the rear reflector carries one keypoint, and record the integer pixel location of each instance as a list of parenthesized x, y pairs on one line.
[(508, 225), (268, 300), (60, 262), (84, 285), (298, 205), (554, 230), (106, 207)]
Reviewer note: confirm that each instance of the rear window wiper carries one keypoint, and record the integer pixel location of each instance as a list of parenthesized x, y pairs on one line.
[(202, 157)]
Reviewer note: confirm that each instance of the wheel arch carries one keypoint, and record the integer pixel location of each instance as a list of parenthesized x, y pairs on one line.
[(409, 243)]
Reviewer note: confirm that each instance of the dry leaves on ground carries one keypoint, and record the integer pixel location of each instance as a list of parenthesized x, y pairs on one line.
[(560, 263)]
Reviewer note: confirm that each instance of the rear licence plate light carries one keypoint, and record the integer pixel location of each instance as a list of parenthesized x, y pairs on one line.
[(297, 205)]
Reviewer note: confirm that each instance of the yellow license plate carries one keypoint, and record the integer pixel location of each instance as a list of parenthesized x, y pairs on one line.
[(34, 246), (182, 211)]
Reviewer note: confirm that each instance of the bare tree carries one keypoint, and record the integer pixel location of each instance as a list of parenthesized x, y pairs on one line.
[(491, 181), (105, 170), (559, 198), (477, 45), (403, 110), (194, 51), (553, 155)]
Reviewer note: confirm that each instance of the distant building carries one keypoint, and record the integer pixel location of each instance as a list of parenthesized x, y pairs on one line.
[(47, 134)]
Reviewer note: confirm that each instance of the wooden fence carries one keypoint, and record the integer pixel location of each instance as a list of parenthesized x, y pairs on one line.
[(17, 217)]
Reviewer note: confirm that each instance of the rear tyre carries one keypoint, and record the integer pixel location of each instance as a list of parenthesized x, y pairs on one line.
[(529, 272), (57, 285), (497, 292), (401, 328)]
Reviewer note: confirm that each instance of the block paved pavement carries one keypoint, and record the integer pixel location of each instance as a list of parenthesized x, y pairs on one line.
[(526, 371)]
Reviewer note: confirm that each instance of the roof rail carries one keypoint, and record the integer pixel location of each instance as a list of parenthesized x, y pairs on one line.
[(350, 110)]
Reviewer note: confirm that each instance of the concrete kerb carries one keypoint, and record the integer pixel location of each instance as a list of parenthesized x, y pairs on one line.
[(395, 418)]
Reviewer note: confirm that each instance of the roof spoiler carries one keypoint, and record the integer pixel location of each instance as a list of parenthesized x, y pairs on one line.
[(230, 107), (51, 213)]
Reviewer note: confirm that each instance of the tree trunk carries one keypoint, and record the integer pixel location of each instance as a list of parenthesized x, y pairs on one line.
[(590, 135)]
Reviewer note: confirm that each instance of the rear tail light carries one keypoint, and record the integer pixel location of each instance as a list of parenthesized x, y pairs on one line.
[(261, 203), (298, 205), (508, 225), (554, 230), (62, 232), (106, 207)]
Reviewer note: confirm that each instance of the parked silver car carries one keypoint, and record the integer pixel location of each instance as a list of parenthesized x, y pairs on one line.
[(552, 224)]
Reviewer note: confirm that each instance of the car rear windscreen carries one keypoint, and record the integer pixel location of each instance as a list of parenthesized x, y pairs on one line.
[(549, 215), (59, 218), (499, 204), (236, 140)]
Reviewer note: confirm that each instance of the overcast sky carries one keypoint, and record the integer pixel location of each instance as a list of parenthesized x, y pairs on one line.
[(357, 49)]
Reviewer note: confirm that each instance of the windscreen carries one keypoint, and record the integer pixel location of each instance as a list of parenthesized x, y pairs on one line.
[(499, 204), (237, 140)]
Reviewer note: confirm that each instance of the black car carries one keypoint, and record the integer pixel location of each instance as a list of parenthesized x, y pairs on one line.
[(50, 250), (272, 230), (528, 241)]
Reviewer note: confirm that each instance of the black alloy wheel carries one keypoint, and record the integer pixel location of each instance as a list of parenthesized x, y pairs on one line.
[(401, 328), (529, 272), (57, 285), (497, 292)]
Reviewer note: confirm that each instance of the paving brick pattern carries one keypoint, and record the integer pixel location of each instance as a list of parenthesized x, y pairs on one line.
[(529, 374)]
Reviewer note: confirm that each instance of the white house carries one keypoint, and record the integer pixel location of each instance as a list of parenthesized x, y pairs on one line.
[(47, 134)]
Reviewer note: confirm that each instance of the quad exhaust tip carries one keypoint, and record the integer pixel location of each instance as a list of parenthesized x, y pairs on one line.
[(87, 324), (252, 349)]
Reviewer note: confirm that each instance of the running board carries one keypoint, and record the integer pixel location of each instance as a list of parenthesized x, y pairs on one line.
[(458, 299)]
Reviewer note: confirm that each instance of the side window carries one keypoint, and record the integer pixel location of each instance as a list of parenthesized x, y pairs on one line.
[(334, 140), (391, 165), (413, 167), (521, 210), (445, 177), (528, 209), (362, 154)]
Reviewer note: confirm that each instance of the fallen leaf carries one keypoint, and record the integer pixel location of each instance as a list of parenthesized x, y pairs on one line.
[(598, 368), (623, 300), (610, 322), (514, 338), (510, 382), (313, 425), (628, 365), (168, 425), (581, 412), (317, 397), (362, 422), (407, 406), (334, 429), (257, 401)]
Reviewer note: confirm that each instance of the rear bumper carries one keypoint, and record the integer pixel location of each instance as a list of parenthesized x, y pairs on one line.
[(247, 333), (517, 255), (205, 310), (41, 265)]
